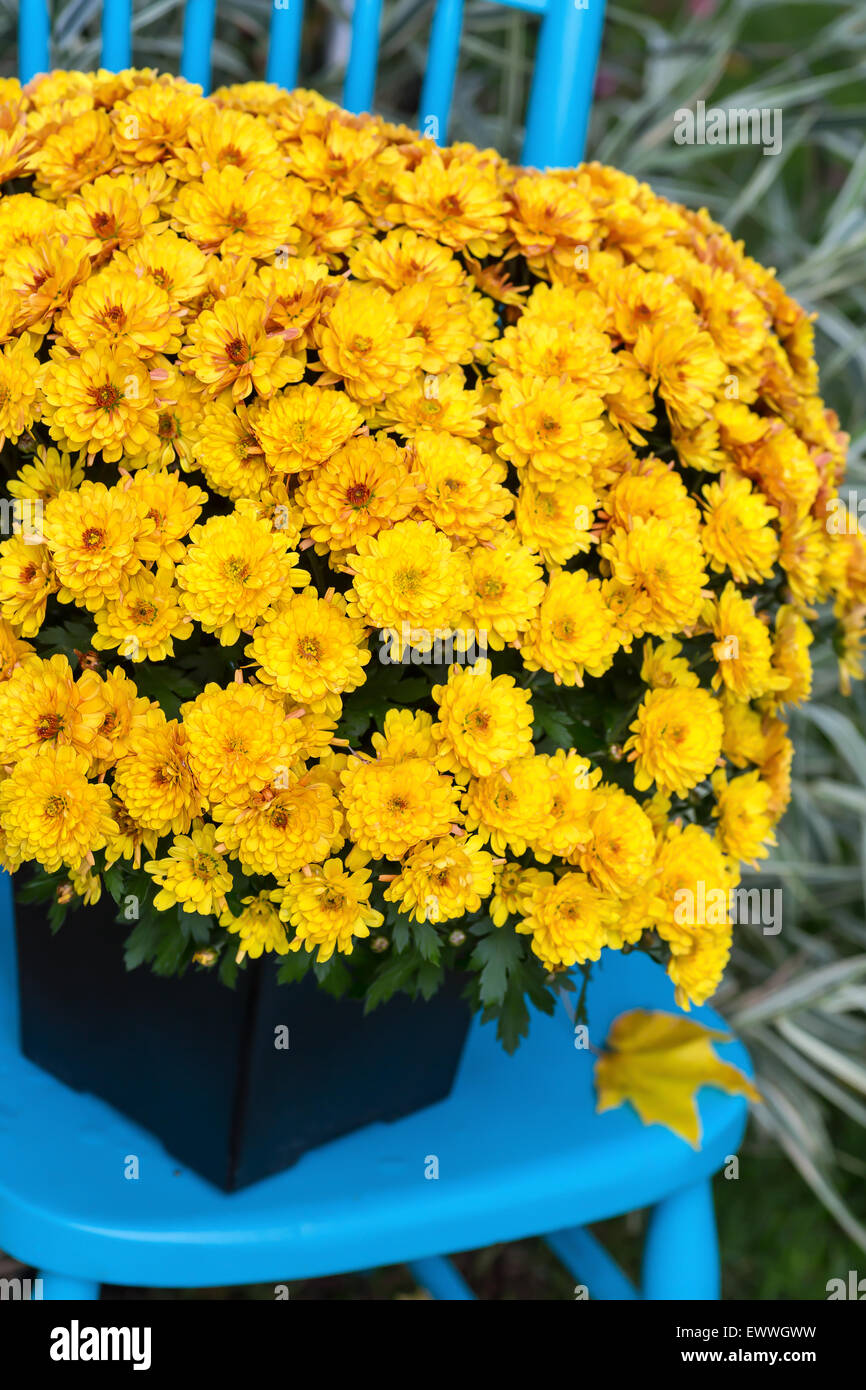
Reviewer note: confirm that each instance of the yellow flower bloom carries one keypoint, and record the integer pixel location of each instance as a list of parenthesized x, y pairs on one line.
[(311, 648), (663, 666), (366, 344), (153, 778), (277, 832), (737, 532), (194, 876), (239, 213), (51, 813), (119, 308), (568, 921), (442, 880), (457, 204), (228, 348), (573, 631), (512, 808), (145, 621), (173, 506), (550, 429), (513, 887), (557, 523), (329, 908), (26, 581), (93, 535), (410, 581), (128, 838), (125, 710), (743, 648), (406, 734), (42, 704), (366, 485), (463, 492), (662, 572), (50, 473), (484, 722), (745, 819), (505, 589), (235, 569), (228, 449), (302, 426), (240, 741), (20, 377), (392, 806), (258, 925), (168, 261), (676, 739), (620, 851), (102, 401)]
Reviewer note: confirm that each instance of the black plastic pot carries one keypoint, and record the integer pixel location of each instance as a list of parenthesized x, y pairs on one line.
[(197, 1063)]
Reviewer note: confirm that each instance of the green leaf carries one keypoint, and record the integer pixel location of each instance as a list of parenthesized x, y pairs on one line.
[(427, 940), (496, 955)]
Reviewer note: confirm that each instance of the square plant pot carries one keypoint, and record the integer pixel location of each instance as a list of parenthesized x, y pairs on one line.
[(199, 1065)]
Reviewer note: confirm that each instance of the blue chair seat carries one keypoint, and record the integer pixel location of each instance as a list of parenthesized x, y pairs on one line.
[(520, 1152)]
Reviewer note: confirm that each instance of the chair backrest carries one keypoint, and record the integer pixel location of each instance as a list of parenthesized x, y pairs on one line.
[(560, 98)]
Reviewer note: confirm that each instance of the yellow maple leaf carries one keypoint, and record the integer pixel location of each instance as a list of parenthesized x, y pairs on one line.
[(659, 1062)]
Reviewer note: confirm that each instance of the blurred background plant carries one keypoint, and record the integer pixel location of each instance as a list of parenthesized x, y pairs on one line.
[(797, 998)]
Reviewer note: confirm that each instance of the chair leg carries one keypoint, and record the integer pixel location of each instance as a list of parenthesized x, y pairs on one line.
[(681, 1254), (66, 1286), (438, 1276)]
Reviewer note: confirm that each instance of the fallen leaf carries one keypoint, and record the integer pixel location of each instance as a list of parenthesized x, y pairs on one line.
[(659, 1062)]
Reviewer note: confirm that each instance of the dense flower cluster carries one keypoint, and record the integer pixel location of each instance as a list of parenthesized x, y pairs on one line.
[(292, 403)]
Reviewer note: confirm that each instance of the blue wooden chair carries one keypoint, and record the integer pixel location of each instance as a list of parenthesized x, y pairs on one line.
[(518, 1146)]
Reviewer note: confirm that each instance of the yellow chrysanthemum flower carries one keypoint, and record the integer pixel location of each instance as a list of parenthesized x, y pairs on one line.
[(366, 344), (676, 739), (745, 820), (26, 581), (194, 876), (662, 572), (146, 620), (506, 586), (557, 523), (258, 925), (302, 426), (512, 808), (93, 534), (240, 741), (154, 779), (485, 721), (312, 649), (406, 734), (236, 568), (663, 666), (228, 348), (279, 831), (102, 401), (568, 921), (442, 880), (392, 806), (463, 492), (513, 887), (51, 813), (20, 378), (743, 648), (173, 506), (573, 631), (410, 581), (367, 485), (620, 851), (737, 533), (42, 704), (329, 908), (239, 213)]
